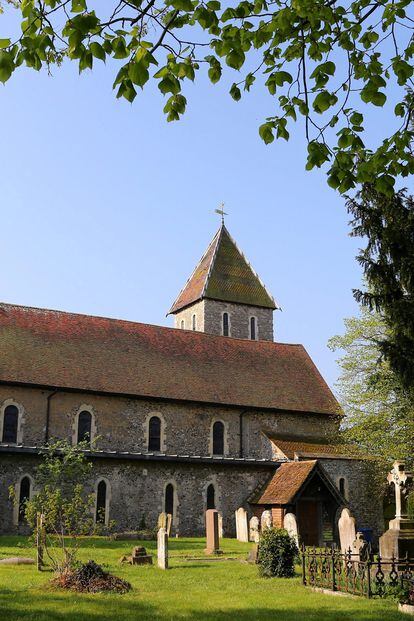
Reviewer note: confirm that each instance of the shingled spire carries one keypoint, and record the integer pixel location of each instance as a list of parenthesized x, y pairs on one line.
[(225, 276)]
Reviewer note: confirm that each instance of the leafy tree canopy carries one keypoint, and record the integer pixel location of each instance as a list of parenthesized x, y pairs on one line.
[(379, 410), (323, 60)]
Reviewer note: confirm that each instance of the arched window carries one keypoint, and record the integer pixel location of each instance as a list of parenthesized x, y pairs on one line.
[(169, 499), (253, 328), (10, 424), (226, 324), (182, 324), (193, 322), (218, 438), (24, 496), (342, 486), (84, 426), (211, 497), (101, 492), (154, 434)]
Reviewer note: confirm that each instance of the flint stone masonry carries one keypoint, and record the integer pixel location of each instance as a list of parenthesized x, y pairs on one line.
[(209, 315)]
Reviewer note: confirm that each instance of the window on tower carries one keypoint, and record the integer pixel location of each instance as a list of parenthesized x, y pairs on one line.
[(211, 497), (182, 324), (194, 322), (226, 325), (84, 426), (10, 424)]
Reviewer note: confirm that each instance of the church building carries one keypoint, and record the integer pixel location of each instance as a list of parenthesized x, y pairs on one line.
[(209, 414)]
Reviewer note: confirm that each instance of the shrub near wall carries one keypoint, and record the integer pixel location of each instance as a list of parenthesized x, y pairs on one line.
[(277, 553)]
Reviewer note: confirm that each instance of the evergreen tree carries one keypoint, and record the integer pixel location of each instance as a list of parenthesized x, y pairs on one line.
[(387, 222)]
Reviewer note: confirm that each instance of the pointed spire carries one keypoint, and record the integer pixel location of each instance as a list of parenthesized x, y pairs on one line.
[(224, 274)]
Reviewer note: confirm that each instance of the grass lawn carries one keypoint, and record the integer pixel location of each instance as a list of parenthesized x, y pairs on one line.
[(226, 590)]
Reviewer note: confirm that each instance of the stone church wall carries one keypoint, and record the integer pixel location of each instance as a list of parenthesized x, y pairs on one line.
[(137, 489), (121, 424), (361, 492), (209, 319)]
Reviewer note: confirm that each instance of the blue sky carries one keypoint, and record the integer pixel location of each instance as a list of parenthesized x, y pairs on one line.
[(106, 207)]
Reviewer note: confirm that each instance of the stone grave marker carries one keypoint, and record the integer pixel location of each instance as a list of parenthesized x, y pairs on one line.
[(347, 531), (360, 547), (242, 525), (254, 534), (212, 532), (266, 520), (162, 548), (291, 525), (398, 540), (220, 525), (168, 527), (140, 556), (162, 521)]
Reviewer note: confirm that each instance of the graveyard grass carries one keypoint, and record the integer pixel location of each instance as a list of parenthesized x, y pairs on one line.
[(196, 589)]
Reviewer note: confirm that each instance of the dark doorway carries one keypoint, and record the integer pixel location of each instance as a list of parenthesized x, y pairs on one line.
[(101, 503), (309, 522), (24, 497)]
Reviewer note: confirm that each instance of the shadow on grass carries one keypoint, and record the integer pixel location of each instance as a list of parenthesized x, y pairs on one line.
[(116, 607)]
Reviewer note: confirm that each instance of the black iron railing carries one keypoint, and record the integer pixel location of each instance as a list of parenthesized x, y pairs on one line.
[(372, 576)]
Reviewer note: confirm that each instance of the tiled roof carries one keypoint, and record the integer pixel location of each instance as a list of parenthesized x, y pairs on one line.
[(287, 481), (224, 274), (65, 350), (291, 446)]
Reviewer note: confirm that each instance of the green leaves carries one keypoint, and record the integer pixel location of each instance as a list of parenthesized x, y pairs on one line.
[(4, 43), (97, 51), (318, 154), (78, 6), (402, 70), (323, 101), (235, 59), (371, 93), (174, 107), (266, 132), (235, 92), (6, 66)]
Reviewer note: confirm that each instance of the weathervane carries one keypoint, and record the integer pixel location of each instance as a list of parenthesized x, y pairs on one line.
[(221, 211)]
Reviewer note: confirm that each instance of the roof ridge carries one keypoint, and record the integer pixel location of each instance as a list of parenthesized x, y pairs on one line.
[(213, 258), (277, 307), (150, 325)]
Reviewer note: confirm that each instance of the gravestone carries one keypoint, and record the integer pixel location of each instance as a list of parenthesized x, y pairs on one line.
[(347, 531), (220, 525), (242, 525), (398, 540), (140, 556), (169, 524), (360, 547), (266, 520), (162, 521), (290, 524), (212, 532), (254, 534), (162, 549)]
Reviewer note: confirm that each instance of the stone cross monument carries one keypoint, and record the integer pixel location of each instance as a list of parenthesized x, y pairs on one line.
[(398, 540)]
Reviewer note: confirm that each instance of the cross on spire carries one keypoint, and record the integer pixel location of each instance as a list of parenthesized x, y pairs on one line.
[(221, 212)]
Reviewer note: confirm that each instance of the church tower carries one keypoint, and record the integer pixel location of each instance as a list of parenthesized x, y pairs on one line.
[(225, 296)]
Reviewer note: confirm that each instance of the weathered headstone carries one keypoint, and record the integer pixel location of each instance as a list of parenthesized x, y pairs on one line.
[(290, 524), (140, 556), (242, 525), (266, 520), (212, 532), (347, 531), (169, 524), (220, 525), (162, 549), (162, 521), (254, 534), (360, 547), (253, 554), (398, 540)]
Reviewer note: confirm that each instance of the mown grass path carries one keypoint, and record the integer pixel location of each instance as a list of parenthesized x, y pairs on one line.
[(191, 590)]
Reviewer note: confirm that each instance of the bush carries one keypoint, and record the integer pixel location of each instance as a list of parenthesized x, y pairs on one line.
[(277, 553)]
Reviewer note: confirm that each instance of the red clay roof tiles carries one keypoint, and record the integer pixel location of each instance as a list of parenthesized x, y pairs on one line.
[(64, 350), (286, 483)]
